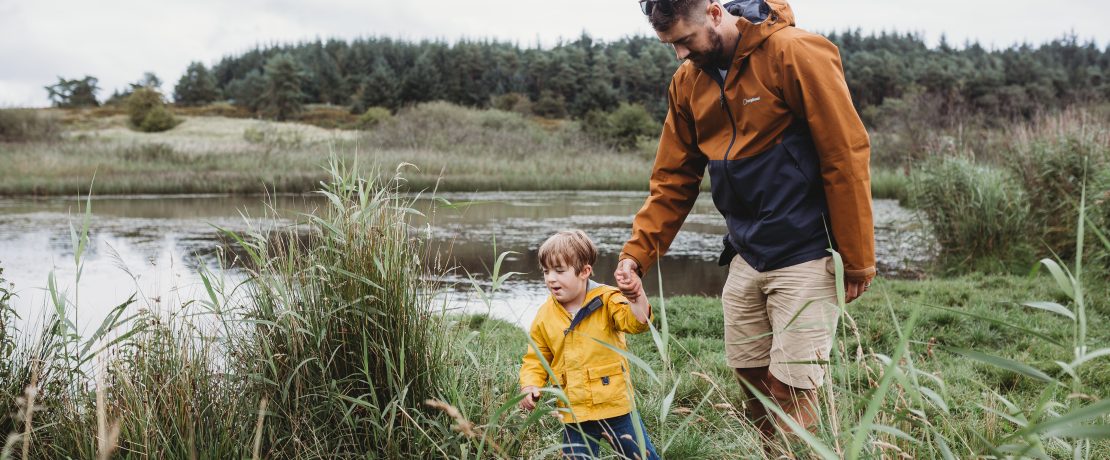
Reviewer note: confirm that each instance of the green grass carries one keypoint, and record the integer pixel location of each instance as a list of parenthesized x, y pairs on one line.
[(721, 432), (890, 184)]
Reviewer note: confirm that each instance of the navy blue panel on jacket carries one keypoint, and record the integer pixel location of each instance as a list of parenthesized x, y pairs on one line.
[(774, 204)]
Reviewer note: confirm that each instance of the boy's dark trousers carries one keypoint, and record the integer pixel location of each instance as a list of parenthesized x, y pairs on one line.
[(617, 431)]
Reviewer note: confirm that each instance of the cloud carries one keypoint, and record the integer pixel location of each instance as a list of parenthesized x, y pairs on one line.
[(117, 41)]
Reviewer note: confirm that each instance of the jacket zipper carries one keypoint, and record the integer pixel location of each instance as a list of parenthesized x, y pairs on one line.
[(731, 120), (731, 142)]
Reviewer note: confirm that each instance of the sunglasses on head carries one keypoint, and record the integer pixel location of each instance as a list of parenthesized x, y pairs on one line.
[(647, 6)]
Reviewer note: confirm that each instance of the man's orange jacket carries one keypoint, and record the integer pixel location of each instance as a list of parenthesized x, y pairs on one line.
[(787, 154)]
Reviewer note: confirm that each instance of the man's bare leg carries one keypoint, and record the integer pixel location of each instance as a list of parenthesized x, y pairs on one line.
[(799, 404), (756, 411)]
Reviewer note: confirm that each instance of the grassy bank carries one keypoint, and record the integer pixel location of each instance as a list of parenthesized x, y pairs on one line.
[(705, 418)]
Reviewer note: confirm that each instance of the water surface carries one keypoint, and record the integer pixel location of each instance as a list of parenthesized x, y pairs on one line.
[(153, 246)]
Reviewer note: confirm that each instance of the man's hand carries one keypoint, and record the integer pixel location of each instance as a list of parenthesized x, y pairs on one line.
[(853, 290), (529, 401), (627, 279)]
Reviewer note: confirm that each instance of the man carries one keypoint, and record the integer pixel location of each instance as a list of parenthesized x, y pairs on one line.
[(765, 106)]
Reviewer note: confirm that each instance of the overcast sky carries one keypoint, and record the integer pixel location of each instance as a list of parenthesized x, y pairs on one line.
[(117, 40)]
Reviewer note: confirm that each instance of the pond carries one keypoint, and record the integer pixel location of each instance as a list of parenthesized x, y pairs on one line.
[(155, 245)]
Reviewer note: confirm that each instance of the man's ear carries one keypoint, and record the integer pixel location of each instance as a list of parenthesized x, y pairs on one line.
[(714, 12)]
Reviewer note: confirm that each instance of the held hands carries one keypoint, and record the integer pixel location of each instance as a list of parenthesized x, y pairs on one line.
[(529, 401), (627, 279)]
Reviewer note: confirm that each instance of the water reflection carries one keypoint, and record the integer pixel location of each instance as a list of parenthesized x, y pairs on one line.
[(155, 245)]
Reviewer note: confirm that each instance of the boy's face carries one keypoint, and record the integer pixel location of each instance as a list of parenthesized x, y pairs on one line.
[(565, 284)]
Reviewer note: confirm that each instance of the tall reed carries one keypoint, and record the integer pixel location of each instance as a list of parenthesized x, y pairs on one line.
[(344, 342)]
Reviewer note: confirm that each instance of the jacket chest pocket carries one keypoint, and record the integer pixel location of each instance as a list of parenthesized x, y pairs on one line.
[(608, 383)]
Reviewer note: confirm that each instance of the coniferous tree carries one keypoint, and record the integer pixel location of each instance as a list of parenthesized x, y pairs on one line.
[(248, 90), (74, 93), (196, 87), (380, 89), (283, 97)]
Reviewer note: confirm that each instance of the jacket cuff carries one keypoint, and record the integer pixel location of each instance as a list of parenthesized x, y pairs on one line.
[(532, 383), (862, 275)]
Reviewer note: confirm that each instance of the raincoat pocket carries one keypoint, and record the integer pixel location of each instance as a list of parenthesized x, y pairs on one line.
[(607, 383)]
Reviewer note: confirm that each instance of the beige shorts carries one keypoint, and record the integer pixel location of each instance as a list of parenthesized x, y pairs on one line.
[(784, 319)]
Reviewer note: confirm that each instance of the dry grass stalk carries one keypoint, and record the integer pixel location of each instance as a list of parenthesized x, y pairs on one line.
[(463, 425), (106, 438), (258, 427), (29, 394)]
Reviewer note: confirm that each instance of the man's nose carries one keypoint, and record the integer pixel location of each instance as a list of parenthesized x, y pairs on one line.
[(681, 52)]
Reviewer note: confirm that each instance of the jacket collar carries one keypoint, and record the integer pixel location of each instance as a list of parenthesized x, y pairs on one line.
[(591, 305)]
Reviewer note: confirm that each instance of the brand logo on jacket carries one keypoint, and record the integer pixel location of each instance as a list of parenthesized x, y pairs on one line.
[(749, 101)]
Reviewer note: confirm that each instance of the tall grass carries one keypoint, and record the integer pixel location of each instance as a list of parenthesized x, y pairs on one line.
[(977, 214), (994, 214), (29, 125), (329, 348)]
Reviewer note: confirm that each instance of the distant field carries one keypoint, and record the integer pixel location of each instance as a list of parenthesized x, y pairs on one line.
[(449, 147), (478, 150)]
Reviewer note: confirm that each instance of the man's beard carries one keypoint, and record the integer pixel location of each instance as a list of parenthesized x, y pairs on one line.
[(714, 56)]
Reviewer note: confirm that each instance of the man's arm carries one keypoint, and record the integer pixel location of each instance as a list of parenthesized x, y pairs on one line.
[(815, 89), (674, 185)]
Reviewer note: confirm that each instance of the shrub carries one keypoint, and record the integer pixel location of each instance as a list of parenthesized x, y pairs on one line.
[(158, 120), (374, 116), (1053, 172), (979, 215), (622, 128), (147, 111), (218, 109), (327, 116), (630, 122), (550, 105), (512, 102), (25, 125), (272, 136)]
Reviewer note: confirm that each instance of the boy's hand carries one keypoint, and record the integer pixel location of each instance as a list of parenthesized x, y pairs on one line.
[(627, 279), (529, 401)]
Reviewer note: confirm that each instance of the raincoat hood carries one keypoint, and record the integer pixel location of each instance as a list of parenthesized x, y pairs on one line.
[(759, 19)]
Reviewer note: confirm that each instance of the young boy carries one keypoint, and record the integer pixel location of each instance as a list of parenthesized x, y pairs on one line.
[(593, 377)]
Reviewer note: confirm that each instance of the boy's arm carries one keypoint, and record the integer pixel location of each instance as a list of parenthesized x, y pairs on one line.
[(628, 316), (532, 373)]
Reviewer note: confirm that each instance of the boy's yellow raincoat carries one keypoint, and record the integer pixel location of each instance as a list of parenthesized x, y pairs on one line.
[(594, 377)]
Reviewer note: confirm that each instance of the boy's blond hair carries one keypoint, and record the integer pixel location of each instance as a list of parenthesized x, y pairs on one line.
[(570, 247)]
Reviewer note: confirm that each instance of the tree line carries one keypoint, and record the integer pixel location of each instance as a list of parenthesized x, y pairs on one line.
[(575, 78)]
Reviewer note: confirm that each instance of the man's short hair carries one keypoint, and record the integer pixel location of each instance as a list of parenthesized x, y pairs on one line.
[(680, 9), (569, 247)]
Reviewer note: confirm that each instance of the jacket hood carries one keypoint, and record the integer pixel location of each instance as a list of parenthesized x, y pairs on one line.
[(759, 19)]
